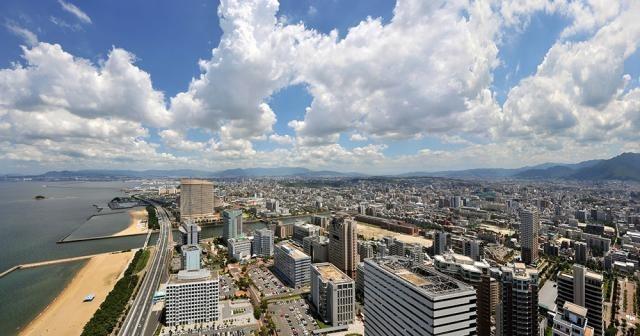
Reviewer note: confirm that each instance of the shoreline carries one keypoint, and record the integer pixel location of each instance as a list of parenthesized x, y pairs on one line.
[(138, 219), (67, 314)]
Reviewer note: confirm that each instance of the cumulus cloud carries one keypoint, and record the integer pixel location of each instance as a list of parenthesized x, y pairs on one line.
[(75, 11), (281, 139), (176, 140)]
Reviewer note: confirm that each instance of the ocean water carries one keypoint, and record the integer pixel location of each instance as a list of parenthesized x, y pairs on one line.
[(30, 229)]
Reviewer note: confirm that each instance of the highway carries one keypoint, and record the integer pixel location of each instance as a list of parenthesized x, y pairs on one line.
[(136, 321)]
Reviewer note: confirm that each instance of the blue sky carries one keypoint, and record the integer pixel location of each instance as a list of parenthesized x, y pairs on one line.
[(379, 96)]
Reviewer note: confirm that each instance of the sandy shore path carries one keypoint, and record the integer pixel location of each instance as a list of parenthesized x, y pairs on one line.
[(67, 314), (137, 224)]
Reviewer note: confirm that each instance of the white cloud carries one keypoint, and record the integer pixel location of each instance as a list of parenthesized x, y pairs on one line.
[(28, 36), (281, 139), (176, 140), (357, 137), (75, 11)]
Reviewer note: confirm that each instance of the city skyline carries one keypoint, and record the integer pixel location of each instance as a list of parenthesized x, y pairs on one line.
[(377, 87)]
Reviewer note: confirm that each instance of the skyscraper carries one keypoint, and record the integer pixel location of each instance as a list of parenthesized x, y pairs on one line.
[(402, 299), (232, 223), (196, 200), (190, 232), (519, 314), (584, 288), (529, 226), (343, 245), (580, 252)]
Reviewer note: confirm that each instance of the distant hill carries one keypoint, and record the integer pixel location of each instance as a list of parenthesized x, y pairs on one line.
[(229, 173), (625, 167)]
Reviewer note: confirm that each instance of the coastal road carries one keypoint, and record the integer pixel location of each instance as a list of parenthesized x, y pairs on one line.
[(136, 321)]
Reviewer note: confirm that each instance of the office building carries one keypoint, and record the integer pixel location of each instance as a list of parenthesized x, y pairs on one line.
[(519, 314), (529, 226), (316, 247), (583, 287), (263, 243), (239, 248), (232, 223), (343, 245), (571, 320), (190, 232), (580, 249), (191, 257), (303, 230), (332, 294), (441, 242), (292, 265), (488, 293), (192, 297), (402, 299), (196, 200)]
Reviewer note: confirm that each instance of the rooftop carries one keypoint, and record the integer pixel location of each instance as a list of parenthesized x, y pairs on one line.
[(194, 181), (576, 309), (330, 272), (293, 251), (430, 281), (200, 275)]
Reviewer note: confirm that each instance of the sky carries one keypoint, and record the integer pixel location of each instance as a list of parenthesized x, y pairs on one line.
[(370, 86)]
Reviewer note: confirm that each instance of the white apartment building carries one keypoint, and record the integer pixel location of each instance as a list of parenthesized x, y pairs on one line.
[(192, 297), (571, 320)]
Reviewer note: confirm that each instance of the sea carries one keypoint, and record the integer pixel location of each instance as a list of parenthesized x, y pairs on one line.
[(31, 228)]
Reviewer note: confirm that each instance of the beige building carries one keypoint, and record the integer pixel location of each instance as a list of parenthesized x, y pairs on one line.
[(343, 245), (196, 200), (333, 294), (529, 226)]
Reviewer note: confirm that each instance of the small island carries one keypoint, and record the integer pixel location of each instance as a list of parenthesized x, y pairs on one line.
[(39, 197)]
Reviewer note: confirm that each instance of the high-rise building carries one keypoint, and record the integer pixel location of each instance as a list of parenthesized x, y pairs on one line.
[(292, 265), (441, 242), (488, 293), (343, 245), (263, 242), (239, 248), (192, 294), (232, 223), (519, 315), (529, 226), (473, 249), (273, 205), (584, 288), (365, 249), (192, 297), (402, 299), (196, 200), (332, 294), (360, 281), (580, 252), (317, 247), (571, 320), (190, 232), (302, 230)]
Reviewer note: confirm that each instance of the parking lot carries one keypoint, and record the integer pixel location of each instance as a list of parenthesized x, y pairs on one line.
[(292, 317), (227, 287), (266, 282)]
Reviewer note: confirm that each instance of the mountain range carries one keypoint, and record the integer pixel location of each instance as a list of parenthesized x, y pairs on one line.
[(625, 167)]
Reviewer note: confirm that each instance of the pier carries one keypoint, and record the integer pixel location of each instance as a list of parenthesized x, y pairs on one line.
[(65, 240), (49, 262)]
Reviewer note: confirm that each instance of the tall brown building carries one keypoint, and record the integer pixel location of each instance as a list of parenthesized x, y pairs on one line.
[(196, 200), (343, 245), (488, 296), (519, 315), (529, 227)]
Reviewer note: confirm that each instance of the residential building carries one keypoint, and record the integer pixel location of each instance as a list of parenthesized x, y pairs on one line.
[(580, 252), (571, 320), (519, 314), (584, 288), (196, 200), (402, 299), (332, 294), (461, 267), (192, 297), (292, 265), (441, 242), (488, 293), (365, 249), (343, 245)]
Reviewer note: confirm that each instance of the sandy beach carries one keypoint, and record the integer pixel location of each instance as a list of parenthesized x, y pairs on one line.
[(369, 231), (67, 314), (137, 224)]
